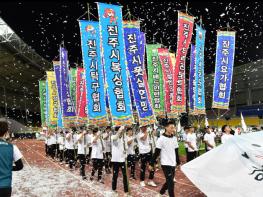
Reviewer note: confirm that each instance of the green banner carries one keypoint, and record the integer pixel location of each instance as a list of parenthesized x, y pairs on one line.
[(42, 99), (155, 79), (72, 80)]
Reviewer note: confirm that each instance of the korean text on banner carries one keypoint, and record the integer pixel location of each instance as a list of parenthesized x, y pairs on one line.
[(68, 108), (81, 104), (225, 52), (199, 71), (43, 101), (95, 88), (184, 35), (53, 99), (113, 47), (72, 82), (155, 79), (166, 63), (192, 81), (135, 60)]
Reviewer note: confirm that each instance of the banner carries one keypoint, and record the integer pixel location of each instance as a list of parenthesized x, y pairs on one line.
[(155, 79), (199, 71), (167, 67), (234, 168), (225, 53), (111, 29), (53, 99), (81, 99), (135, 61), (60, 119), (67, 106), (72, 83), (47, 104), (184, 35), (43, 101), (95, 88), (192, 77)]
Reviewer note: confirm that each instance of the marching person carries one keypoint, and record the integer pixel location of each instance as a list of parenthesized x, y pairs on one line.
[(119, 148), (131, 152), (166, 147), (209, 139), (9, 153), (45, 132), (226, 134), (143, 139), (75, 144), (70, 149), (82, 139), (191, 143), (61, 143), (186, 130), (97, 155), (107, 141), (51, 143), (90, 135)]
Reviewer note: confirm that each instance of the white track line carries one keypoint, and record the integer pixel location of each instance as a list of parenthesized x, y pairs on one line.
[(70, 173)]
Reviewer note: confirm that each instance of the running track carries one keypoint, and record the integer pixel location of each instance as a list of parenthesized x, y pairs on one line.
[(44, 177)]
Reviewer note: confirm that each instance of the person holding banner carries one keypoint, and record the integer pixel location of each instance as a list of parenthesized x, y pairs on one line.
[(119, 154), (209, 139), (82, 138), (131, 153), (61, 142), (69, 145), (107, 140), (191, 141), (166, 147), (96, 155), (143, 139)]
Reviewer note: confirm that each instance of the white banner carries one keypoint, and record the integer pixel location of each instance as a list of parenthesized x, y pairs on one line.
[(232, 169)]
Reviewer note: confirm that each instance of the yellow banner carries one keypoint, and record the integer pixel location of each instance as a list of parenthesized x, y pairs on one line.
[(53, 99)]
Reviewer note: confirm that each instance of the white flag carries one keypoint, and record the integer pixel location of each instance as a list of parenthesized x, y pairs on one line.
[(206, 122), (233, 169), (243, 124), (179, 127)]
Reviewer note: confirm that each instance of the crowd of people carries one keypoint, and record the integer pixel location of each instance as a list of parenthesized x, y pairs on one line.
[(111, 149)]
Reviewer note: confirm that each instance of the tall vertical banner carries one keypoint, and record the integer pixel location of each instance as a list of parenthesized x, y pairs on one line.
[(155, 79), (185, 31), (199, 72), (53, 99), (95, 88), (166, 63), (192, 81), (68, 108), (43, 101), (47, 104), (135, 60), (72, 82), (81, 99), (225, 53), (113, 47)]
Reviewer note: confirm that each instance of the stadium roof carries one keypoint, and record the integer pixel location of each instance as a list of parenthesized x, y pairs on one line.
[(20, 69)]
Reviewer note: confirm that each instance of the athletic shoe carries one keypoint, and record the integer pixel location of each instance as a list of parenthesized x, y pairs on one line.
[(151, 183), (84, 177), (114, 194), (91, 178), (142, 183)]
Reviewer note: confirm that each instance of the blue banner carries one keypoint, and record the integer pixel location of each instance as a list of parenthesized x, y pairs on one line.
[(117, 83), (68, 108), (199, 101), (192, 80), (95, 90), (135, 59), (225, 53)]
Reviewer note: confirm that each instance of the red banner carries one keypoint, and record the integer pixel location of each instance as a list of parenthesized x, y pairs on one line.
[(167, 67), (185, 31), (81, 101)]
